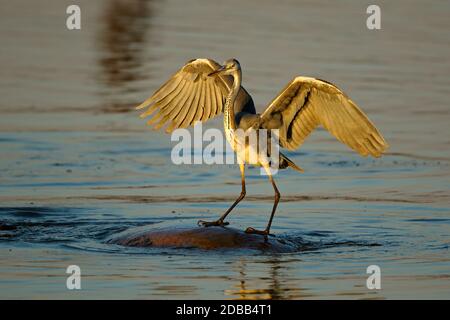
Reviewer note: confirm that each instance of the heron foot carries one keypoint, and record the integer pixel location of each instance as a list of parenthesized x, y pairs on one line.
[(219, 223), (264, 233)]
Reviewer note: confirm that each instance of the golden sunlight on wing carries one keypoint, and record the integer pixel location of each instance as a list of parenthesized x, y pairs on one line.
[(306, 103), (190, 96)]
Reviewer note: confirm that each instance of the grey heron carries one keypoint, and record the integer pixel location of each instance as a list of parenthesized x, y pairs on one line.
[(202, 89)]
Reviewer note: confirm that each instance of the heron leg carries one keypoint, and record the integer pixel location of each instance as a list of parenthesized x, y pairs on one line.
[(266, 232), (220, 221)]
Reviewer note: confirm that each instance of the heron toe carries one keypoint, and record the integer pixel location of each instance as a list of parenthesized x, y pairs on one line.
[(219, 223), (264, 233)]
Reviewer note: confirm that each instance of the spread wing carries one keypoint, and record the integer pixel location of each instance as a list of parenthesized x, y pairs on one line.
[(190, 96), (306, 103)]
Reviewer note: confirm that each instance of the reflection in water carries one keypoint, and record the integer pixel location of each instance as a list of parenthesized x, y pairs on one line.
[(122, 39), (271, 287)]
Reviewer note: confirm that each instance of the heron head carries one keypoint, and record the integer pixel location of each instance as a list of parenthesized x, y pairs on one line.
[(229, 67)]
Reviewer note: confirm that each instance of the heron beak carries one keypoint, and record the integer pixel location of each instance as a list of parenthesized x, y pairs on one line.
[(221, 69)]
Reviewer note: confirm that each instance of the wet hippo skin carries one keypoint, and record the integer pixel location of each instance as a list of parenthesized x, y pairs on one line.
[(188, 235)]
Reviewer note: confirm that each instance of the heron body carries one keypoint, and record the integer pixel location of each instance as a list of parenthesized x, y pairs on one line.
[(202, 89)]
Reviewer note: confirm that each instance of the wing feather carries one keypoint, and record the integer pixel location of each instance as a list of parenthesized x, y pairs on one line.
[(219, 100), (166, 104), (190, 96), (194, 109), (212, 90), (201, 108), (170, 102), (188, 109), (179, 111), (208, 107), (306, 103), (173, 107)]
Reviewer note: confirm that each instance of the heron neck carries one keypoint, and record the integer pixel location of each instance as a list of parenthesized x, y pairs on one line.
[(229, 121)]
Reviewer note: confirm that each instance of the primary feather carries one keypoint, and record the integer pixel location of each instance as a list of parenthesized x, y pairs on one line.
[(306, 103)]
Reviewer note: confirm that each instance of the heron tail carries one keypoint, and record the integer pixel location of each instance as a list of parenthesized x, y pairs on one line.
[(286, 162)]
